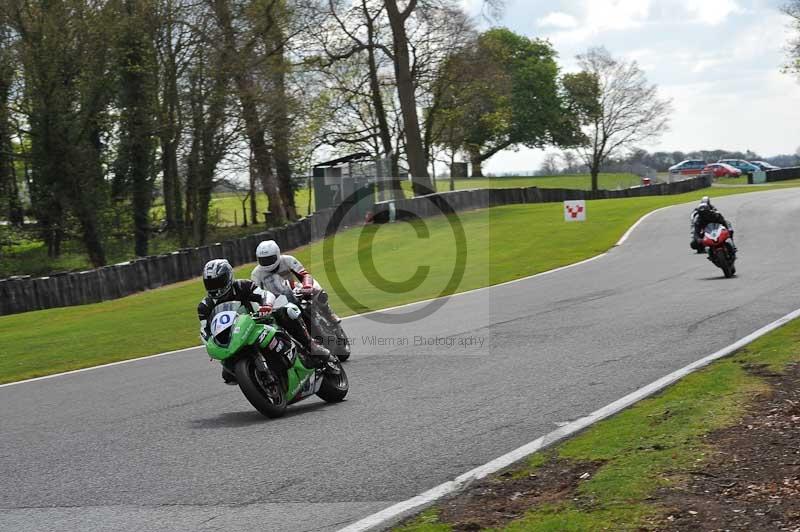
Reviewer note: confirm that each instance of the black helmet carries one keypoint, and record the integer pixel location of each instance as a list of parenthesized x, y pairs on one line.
[(217, 277)]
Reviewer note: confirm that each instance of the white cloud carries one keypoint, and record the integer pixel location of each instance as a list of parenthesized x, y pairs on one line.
[(598, 16), (712, 12), (557, 19), (616, 15)]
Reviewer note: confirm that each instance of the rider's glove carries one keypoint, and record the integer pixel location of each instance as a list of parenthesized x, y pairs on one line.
[(307, 291), (263, 310)]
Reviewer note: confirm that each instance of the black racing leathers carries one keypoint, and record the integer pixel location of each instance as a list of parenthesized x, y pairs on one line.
[(243, 291)]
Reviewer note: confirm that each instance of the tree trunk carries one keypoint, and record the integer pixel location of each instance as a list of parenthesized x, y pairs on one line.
[(595, 171), (281, 132), (476, 161), (452, 164), (170, 140), (254, 129), (394, 188), (415, 153), (253, 198), (137, 100)]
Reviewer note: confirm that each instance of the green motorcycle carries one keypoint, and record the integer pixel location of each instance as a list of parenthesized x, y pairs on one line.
[(271, 368)]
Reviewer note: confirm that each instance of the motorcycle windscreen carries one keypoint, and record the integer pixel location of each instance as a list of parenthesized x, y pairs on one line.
[(713, 231), (223, 316)]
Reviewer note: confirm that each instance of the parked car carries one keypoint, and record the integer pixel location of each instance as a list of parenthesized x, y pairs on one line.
[(722, 170), (688, 167), (744, 166), (764, 165)]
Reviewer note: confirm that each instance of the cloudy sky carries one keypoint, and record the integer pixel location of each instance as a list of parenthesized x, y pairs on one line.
[(719, 61)]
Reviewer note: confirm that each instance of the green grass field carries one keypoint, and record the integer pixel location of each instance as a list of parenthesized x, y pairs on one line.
[(54, 340), (649, 446)]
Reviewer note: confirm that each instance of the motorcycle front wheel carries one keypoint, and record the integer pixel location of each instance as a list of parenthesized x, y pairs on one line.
[(724, 263), (267, 395)]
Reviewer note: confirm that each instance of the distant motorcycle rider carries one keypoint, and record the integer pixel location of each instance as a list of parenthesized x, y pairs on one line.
[(221, 287), (705, 213), (274, 270)]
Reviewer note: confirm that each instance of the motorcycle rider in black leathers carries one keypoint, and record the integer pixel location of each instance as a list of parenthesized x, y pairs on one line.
[(222, 288), (705, 213)]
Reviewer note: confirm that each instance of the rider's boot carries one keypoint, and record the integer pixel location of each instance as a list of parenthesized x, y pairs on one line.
[(324, 306), (301, 334)]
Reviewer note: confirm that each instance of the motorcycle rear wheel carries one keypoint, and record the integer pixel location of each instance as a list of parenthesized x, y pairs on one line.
[(342, 350), (267, 398)]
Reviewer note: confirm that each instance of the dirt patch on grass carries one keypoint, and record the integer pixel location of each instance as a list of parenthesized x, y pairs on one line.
[(499, 500), (752, 482)]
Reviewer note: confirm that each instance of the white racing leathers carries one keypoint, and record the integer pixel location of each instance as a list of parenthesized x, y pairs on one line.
[(288, 275)]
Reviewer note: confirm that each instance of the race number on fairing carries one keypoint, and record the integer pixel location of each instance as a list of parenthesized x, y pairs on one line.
[(222, 321)]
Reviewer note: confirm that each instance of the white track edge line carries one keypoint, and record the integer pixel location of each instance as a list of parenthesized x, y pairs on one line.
[(128, 361), (540, 274), (393, 514)]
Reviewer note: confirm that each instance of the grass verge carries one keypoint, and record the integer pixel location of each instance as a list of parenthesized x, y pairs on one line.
[(652, 446), (55, 340)]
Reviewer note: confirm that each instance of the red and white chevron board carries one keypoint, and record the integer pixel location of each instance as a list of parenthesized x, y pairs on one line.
[(575, 211)]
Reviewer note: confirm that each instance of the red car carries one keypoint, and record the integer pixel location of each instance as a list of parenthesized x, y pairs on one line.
[(722, 170)]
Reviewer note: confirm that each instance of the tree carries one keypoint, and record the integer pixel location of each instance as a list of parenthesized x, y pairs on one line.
[(9, 188), (624, 111), (238, 47), (68, 89), (793, 10), (415, 153), (175, 43), (137, 99), (361, 45), (508, 95), (212, 125), (550, 164), (569, 160)]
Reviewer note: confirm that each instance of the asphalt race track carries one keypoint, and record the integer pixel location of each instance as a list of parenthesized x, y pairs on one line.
[(162, 444)]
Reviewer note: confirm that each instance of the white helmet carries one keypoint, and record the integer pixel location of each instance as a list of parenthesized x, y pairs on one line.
[(268, 254)]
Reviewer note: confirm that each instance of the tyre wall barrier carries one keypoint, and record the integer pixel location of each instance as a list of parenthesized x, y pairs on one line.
[(783, 174), (25, 293), (463, 200)]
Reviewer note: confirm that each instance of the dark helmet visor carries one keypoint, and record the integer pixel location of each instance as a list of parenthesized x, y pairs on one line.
[(267, 261), (216, 283)]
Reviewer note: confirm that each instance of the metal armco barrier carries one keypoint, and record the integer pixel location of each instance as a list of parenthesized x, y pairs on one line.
[(25, 293)]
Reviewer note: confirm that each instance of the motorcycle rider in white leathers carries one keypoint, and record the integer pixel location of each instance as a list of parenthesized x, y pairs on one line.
[(275, 270)]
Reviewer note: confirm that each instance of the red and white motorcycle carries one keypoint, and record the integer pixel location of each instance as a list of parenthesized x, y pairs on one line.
[(718, 241)]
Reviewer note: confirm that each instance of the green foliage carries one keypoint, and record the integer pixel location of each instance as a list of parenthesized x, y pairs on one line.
[(506, 94), (583, 96)]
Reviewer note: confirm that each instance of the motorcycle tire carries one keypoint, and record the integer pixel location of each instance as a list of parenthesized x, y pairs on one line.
[(269, 399), (334, 386), (342, 350), (724, 264)]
